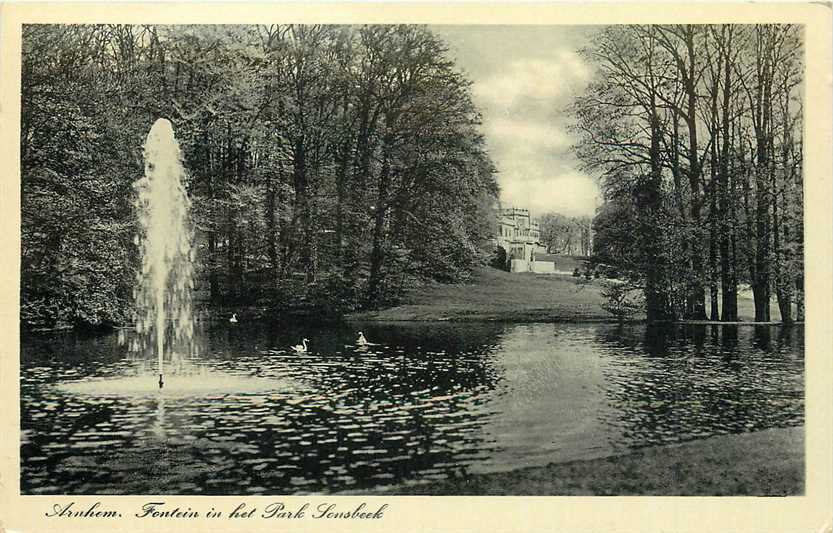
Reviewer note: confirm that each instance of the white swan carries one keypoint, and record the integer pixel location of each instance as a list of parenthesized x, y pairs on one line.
[(233, 318), (301, 348), (361, 341)]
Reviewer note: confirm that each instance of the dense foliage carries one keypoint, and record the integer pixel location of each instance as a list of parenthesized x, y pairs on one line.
[(697, 134), (569, 235), (329, 166)]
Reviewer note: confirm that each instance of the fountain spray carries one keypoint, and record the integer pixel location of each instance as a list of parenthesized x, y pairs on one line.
[(165, 281)]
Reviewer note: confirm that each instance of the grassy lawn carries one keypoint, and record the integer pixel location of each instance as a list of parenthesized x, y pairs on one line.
[(568, 263), (746, 306), (493, 294), (764, 463), (496, 295)]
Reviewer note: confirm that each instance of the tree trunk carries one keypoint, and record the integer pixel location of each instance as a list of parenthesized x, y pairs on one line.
[(713, 232), (271, 229), (696, 293), (377, 254), (799, 297), (213, 285), (781, 292), (784, 281), (761, 122), (728, 276), (302, 205), (760, 275), (656, 301), (343, 156), (354, 221)]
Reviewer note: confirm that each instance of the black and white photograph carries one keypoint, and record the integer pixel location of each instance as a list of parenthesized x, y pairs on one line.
[(301, 259)]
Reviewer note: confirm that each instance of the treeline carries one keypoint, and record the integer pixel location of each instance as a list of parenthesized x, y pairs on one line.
[(569, 235), (327, 165), (697, 133)]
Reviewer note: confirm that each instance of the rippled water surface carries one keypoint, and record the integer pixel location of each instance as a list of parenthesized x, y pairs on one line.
[(429, 401)]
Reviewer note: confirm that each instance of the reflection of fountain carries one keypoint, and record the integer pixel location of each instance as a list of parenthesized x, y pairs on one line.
[(164, 283), (159, 428)]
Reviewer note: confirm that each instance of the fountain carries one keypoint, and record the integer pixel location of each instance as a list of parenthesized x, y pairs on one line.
[(165, 280), (164, 326)]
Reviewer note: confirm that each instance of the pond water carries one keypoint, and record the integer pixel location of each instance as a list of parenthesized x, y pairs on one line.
[(430, 401)]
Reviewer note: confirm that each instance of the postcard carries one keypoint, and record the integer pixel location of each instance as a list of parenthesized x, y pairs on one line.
[(417, 267)]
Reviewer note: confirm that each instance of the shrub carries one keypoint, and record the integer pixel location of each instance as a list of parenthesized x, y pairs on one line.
[(333, 295), (500, 259), (622, 300)]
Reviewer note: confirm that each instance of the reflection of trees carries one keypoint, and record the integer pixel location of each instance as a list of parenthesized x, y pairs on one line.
[(410, 358), (781, 339), (790, 339), (682, 381), (423, 383), (762, 338)]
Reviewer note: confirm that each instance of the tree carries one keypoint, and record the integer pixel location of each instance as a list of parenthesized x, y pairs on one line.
[(621, 123), (695, 128), (566, 235), (325, 163)]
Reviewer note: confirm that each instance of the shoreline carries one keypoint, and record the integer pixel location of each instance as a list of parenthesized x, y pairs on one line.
[(539, 317), (374, 317), (509, 318), (769, 462), (496, 296), (490, 295)]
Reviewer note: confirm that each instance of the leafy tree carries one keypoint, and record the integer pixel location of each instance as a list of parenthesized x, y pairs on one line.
[(328, 166), (622, 300), (693, 132)]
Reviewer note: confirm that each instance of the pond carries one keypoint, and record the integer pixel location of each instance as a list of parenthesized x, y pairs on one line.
[(429, 401)]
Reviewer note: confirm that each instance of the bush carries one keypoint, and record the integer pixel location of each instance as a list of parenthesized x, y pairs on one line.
[(602, 270), (622, 300), (333, 295), (500, 260)]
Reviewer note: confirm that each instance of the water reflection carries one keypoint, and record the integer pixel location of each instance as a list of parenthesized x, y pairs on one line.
[(691, 386), (429, 401), (762, 338), (159, 428)]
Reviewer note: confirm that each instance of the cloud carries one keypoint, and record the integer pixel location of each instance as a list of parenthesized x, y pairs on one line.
[(532, 85), (524, 78), (571, 194), (526, 131), (525, 137)]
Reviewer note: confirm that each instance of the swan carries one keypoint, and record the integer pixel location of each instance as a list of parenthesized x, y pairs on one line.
[(361, 341), (233, 318), (301, 348)]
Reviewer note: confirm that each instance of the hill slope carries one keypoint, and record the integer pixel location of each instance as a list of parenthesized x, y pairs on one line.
[(496, 295)]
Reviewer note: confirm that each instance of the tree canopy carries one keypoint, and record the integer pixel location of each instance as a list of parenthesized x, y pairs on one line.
[(328, 165), (696, 133)]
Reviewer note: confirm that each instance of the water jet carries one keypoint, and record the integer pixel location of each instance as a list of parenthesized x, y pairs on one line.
[(165, 280)]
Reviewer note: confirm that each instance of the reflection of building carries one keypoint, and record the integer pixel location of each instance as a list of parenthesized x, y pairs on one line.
[(520, 235)]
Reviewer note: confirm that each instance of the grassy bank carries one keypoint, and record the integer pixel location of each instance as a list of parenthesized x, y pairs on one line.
[(764, 463), (497, 295), (493, 294), (489, 295)]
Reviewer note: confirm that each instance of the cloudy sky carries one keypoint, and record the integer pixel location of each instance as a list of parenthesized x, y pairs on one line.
[(524, 79)]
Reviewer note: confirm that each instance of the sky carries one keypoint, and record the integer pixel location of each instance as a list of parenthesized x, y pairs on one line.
[(524, 78)]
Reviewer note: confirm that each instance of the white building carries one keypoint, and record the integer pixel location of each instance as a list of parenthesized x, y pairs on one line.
[(520, 235)]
